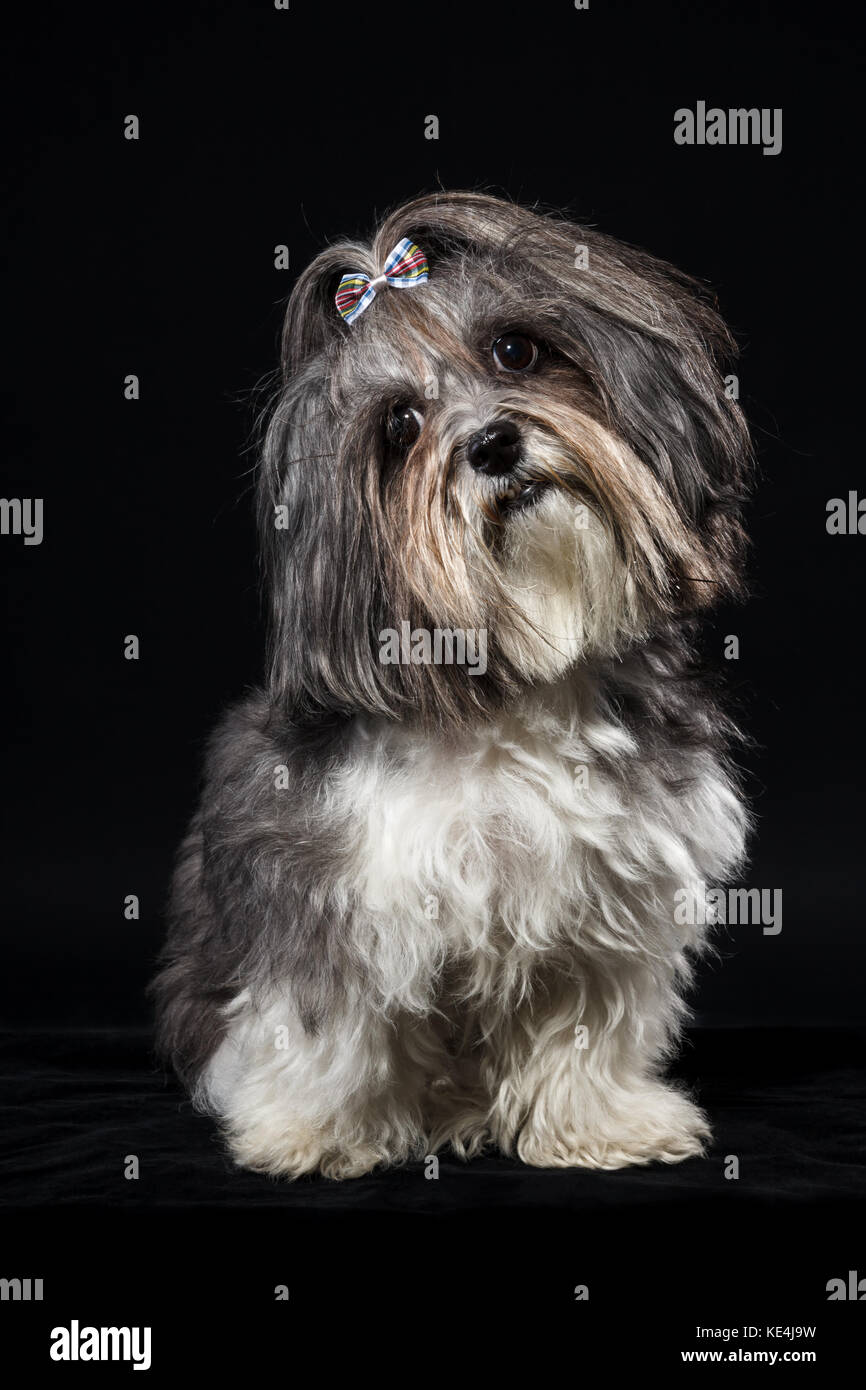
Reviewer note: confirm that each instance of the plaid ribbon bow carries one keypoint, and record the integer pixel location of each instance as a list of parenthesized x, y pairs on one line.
[(405, 268)]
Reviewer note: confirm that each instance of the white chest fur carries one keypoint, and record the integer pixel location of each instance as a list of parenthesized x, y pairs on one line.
[(542, 831)]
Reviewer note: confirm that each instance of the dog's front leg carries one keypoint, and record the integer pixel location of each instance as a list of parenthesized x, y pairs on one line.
[(579, 1084), (339, 1101)]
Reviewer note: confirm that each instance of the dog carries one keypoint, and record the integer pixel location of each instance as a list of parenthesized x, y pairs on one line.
[(428, 900)]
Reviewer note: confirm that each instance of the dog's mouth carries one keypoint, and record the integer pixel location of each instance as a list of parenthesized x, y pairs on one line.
[(520, 495)]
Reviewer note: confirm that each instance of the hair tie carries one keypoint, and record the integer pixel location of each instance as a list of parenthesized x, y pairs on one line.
[(405, 268)]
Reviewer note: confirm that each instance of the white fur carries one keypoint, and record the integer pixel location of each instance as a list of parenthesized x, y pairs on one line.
[(502, 897)]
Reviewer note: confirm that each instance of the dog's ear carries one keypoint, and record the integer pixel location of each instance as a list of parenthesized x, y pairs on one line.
[(320, 572), (312, 319)]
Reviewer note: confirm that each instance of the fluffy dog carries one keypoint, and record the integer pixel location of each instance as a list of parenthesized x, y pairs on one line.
[(427, 900)]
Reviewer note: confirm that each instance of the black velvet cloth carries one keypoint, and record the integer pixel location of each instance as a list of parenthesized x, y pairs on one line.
[(195, 1243), (789, 1104)]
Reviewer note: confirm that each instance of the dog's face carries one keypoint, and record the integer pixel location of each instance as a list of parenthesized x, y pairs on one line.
[(535, 443)]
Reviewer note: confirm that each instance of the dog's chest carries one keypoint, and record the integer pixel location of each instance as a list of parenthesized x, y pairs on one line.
[(511, 831)]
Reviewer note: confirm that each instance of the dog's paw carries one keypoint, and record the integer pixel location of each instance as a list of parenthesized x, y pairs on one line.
[(299, 1151), (284, 1153), (658, 1125)]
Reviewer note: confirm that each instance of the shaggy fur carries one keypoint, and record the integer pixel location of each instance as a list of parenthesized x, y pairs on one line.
[(421, 905)]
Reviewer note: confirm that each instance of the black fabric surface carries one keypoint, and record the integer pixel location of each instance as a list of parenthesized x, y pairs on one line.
[(478, 1264), (788, 1103)]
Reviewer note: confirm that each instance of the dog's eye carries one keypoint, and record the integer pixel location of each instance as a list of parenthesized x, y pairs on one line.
[(514, 352), (404, 426)]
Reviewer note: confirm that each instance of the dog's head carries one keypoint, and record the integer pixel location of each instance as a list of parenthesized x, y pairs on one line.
[(535, 443)]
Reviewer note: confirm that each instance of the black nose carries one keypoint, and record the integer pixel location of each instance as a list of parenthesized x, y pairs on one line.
[(495, 448)]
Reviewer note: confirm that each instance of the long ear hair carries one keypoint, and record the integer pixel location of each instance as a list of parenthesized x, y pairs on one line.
[(315, 667), (312, 320), (310, 541), (328, 583)]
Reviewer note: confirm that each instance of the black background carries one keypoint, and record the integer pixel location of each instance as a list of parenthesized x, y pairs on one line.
[(156, 257)]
